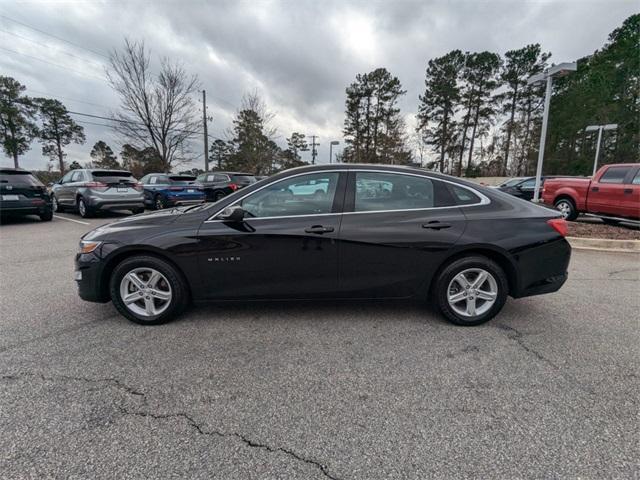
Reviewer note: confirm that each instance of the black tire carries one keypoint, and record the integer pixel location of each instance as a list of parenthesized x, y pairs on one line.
[(84, 210), (219, 195), (445, 277), (180, 291), (55, 206), (567, 207), (47, 215), (137, 211), (159, 203), (611, 221)]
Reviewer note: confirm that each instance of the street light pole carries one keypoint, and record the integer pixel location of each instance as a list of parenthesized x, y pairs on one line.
[(331, 144), (543, 138), (600, 129), (559, 70)]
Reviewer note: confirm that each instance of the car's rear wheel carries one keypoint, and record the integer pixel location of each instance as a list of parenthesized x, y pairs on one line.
[(137, 211), (567, 208), (84, 210), (148, 290), (218, 196), (159, 203), (471, 290), (46, 216)]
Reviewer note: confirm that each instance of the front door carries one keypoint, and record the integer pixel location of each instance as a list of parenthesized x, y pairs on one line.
[(395, 232), (285, 247)]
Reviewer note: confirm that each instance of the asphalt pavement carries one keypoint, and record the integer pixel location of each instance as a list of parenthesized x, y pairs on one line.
[(339, 390)]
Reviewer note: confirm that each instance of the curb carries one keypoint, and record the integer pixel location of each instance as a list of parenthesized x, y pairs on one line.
[(604, 244)]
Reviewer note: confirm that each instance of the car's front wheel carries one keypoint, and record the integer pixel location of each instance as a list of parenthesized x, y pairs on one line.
[(471, 290), (148, 290), (55, 206)]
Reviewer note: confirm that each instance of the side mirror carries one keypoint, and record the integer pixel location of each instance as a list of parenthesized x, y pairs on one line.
[(232, 214)]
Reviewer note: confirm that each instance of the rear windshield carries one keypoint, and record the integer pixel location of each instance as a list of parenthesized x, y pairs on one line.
[(243, 178), (113, 176), (181, 179), (19, 178)]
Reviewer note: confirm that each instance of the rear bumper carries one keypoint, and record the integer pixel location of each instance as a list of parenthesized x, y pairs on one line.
[(546, 285), (24, 208), (179, 201), (542, 268), (124, 204)]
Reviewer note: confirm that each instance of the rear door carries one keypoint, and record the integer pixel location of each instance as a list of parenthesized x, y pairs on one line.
[(71, 187), (606, 193), (396, 230)]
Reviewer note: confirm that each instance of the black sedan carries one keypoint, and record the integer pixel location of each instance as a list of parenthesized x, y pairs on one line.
[(337, 231), (523, 187)]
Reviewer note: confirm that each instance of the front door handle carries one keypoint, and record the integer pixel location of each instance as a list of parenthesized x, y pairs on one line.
[(435, 225), (628, 190), (319, 229), (595, 189)]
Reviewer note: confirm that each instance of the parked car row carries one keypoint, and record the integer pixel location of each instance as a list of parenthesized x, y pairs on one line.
[(92, 190)]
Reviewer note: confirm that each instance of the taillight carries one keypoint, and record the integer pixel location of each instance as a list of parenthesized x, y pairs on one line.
[(96, 185), (233, 186), (559, 225)]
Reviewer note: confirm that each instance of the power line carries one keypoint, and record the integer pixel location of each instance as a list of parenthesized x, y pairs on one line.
[(49, 46), (54, 36), (78, 72)]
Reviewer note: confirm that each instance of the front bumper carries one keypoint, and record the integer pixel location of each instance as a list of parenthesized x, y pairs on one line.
[(88, 277)]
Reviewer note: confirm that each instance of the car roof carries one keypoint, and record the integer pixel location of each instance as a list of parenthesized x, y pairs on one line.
[(12, 169), (228, 173)]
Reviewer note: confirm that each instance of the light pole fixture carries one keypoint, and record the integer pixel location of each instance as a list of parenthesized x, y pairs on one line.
[(331, 144), (557, 71), (599, 128)]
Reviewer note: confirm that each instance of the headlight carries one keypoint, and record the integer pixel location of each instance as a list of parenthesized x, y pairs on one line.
[(88, 246)]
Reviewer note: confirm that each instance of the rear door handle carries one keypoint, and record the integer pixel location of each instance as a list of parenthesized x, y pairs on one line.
[(435, 225), (318, 229), (628, 190), (595, 189)]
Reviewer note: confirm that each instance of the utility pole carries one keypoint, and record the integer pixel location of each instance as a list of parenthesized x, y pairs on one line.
[(206, 135), (314, 152)]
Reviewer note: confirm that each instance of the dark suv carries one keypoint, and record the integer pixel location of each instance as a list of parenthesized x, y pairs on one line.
[(21, 193), (91, 190), (219, 184)]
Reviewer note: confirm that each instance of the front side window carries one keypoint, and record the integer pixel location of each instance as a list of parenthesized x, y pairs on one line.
[(528, 184), (615, 175), (310, 194), (77, 176)]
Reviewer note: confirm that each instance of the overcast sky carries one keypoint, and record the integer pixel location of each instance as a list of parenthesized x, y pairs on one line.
[(299, 55)]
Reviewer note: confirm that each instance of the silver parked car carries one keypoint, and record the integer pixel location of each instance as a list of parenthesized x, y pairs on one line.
[(91, 190)]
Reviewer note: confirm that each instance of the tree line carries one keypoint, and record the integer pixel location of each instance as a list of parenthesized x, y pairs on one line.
[(477, 115)]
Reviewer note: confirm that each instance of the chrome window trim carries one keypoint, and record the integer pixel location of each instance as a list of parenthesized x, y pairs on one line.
[(484, 200)]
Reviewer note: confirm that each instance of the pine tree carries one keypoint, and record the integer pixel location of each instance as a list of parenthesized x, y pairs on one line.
[(103, 156), (439, 103), (17, 119), (58, 130)]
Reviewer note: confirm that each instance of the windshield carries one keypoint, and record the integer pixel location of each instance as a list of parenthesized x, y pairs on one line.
[(243, 178), (19, 178)]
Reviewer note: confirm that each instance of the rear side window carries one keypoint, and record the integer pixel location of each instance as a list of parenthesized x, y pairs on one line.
[(77, 176), (19, 178), (464, 196), (636, 179), (243, 178), (377, 191), (615, 175), (112, 176)]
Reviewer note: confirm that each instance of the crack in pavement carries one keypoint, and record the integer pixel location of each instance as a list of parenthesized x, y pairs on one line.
[(250, 443), (191, 422), (517, 335)]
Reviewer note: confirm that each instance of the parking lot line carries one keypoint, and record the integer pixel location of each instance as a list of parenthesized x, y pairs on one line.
[(71, 220)]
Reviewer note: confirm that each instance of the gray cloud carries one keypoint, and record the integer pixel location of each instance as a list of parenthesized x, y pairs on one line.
[(300, 55)]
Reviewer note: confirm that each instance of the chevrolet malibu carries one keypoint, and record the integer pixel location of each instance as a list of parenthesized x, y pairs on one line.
[(337, 231)]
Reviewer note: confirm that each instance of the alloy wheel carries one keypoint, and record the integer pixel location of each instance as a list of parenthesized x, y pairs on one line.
[(82, 208), (564, 207), (472, 292), (145, 292), (54, 203), (159, 203)]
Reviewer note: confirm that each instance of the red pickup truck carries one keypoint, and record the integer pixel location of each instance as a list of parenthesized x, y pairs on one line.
[(613, 193)]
